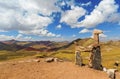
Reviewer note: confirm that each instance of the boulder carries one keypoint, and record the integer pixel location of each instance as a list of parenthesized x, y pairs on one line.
[(111, 73), (49, 59), (36, 60), (56, 59)]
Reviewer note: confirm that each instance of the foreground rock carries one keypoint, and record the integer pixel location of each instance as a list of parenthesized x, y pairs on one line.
[(111, 73), (49, 59), (52, 59)]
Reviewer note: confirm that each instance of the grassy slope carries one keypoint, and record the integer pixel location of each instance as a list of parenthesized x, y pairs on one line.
[(8, 55), (110, 53)]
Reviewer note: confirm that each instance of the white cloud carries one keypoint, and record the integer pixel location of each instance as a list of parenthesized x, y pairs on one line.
[(119, 23), (4, 37), (73, 35), (31, 17), (24, 17), (101, 13), (103, 35), (39, 32), (3, 31), (62, 3), (114, 18), (59, 27), (84, 31), (71, 16), (40, 6), (58, 35), (86, 4), (19, 37)]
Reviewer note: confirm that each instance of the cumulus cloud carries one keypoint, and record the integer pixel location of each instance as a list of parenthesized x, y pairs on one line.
[(4, 37), (25, 16), (32, 17), (115, 18), (119, 23), (103, 35), (85, 31), (86, 4), (40, 6), (101, 13), (59, 27), (73, 35), (19, 37), (71, 16)]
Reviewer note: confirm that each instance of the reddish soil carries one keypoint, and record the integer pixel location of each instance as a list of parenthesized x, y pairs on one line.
[(28, 69)]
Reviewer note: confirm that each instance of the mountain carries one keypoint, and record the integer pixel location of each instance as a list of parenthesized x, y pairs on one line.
[(4, 46), (10, 46), (10, 41), (45, 45), (14, 45), (83, 42), (105, 46)]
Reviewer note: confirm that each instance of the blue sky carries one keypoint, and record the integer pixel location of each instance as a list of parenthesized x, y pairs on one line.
[(58, 20)]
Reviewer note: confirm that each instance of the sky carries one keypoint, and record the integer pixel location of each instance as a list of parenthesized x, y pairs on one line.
[(58, 20)]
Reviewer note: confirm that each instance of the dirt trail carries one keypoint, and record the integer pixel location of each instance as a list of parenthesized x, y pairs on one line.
[(43, 70)]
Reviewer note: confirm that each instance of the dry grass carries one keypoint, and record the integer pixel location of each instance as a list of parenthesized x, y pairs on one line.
[(8, 55)]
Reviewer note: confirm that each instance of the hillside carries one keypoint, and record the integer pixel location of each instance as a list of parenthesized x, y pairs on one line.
[(10, 47), (14, 45), (110, 50), (82, 42)]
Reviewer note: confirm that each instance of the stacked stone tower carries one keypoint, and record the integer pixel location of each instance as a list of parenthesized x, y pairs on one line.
[(95, 53)]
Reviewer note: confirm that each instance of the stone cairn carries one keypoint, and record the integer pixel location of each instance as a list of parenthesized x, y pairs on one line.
[(94, 49)]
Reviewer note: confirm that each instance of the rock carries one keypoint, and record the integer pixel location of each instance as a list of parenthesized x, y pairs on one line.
[(56, 59), (49, 59), (36, 60), (78, 58), (116, 64), (110, 72), (96, 58), (60, 60)]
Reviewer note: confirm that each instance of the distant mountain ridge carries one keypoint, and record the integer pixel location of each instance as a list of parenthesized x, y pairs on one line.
[(10, 46), (10, 41), (14, 45)]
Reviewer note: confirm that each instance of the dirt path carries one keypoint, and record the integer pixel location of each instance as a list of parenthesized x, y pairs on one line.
[(43, 70)]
